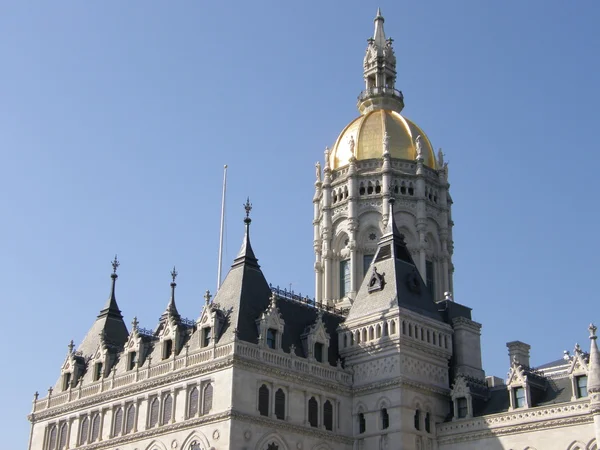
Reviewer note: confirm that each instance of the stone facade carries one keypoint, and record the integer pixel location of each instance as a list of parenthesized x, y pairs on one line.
[(382, 358)]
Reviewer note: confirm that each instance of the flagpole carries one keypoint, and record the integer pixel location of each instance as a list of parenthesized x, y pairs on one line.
[(222, 227)]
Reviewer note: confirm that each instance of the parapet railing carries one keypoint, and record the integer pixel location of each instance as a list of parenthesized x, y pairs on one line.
[(185, 360), (291, 295), (377, 91)]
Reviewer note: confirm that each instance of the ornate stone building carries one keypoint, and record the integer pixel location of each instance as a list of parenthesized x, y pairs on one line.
[(383, 358)]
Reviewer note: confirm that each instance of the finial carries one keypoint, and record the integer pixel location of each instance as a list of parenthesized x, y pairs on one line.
[(50, 389), (592, 328), (71, 346), (35, 396), (318, 171), (174, 274), (327, 152), (273, 299), (207, 296), (135, 323), (115, 265), (248, 207)]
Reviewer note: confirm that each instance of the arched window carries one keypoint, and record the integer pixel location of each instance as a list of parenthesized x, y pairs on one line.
[(362, 424), (345, 340), (385, 329), (95, 428), (385, 419), (154, 406), (393, 327), (208, 399), (313, 412), (417, 420), (280, 404), (358, 336), (62, 436), (403, 327), (129, 419), (118, 422), (167, 409), (83, 430), (328, 415), (193, 402), (378, 331), (364, 335), (52, 438), (428, 422), (371, 333), (263, 400)]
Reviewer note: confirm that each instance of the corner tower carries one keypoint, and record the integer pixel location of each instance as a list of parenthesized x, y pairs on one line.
[(378, 155)]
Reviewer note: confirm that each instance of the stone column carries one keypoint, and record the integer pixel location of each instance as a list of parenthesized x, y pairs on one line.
[(421, 216), (317, 244), (326, 231), (355, 278)]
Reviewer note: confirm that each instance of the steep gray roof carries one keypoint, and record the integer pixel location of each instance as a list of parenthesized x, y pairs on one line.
[(244, 294), (401, 281), (109, 323)]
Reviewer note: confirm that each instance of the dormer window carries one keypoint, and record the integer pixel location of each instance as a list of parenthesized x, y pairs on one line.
[(206, 336), (344, 277), (581, 383), (97, 371), (167, 348), (462, 407), (319, 352), (272, 338), (131, 360), (519, 397), (66, 381)]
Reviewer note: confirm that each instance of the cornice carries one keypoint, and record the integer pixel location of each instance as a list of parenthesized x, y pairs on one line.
[(129, 390), (400, 382), (333, 386), (160, 431), (293, 428), (527, 420)]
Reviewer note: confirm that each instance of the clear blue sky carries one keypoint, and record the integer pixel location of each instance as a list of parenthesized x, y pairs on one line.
[(116, 119)]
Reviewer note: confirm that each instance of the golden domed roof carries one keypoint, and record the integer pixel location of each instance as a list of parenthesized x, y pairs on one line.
[(368, 131)]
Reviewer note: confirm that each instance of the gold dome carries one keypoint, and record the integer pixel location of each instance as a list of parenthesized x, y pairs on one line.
[(368, 131)]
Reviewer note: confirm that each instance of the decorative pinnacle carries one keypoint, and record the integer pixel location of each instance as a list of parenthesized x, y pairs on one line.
[(71, 346), (135, 323), (248, 208), (592, 328), (115, 264), (174, 274), (207, 296)]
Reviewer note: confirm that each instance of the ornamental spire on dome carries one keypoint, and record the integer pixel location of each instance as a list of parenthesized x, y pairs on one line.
[(379, 71)]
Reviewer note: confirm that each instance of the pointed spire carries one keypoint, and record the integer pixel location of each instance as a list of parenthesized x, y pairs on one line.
[(391, 229), (593, 384), (111, 309), (171, 310), (246, 253), (379, 34)]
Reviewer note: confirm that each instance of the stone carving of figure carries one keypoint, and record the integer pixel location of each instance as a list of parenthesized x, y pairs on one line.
[(318, 170), (352, 144), (386, 143), (440, 158), (326, 158), (419, 147)]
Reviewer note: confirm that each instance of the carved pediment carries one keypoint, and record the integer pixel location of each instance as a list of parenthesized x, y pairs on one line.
[(376, 281), (579, 362)]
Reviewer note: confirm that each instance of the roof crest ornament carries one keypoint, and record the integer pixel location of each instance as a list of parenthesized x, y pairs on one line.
[(174, 274), (115, 264), (207, 297)]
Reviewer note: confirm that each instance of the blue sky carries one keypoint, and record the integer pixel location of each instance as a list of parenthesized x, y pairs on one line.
[(117, 118)]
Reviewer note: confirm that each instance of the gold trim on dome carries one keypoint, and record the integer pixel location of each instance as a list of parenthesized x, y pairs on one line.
[(368, 130)]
